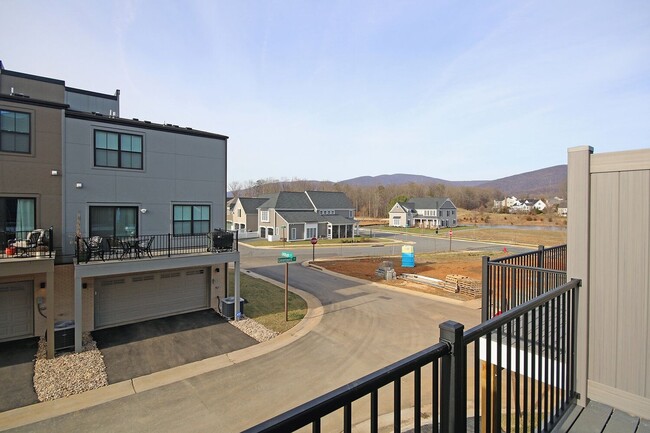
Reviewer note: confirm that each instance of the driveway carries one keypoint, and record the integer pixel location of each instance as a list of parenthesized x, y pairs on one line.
[(16, 373), (147, 347)]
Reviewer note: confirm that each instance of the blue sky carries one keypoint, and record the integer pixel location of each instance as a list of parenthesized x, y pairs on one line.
[(330, 90)]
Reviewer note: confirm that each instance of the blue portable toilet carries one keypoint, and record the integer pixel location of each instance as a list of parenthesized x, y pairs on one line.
[(408, 256)]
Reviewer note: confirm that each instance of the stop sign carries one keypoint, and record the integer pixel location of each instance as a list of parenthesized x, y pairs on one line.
[(314, 241), (450, 233)]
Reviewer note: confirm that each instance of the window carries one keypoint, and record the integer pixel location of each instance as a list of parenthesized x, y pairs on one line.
[(191, 219), (239, 213), (110, 221), (118, 150), (311, 232), (17, 216), (264, 215), (14, 131)]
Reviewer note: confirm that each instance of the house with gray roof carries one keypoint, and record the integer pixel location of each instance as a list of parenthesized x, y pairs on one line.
[(244, 213), (304, 215), (426, 212)]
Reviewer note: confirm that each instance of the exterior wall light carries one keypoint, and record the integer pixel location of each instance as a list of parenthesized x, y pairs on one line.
[(55, 172), (143, 210), (79, 185)]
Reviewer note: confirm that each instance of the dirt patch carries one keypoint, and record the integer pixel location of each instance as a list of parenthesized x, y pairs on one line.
[(430, 265)]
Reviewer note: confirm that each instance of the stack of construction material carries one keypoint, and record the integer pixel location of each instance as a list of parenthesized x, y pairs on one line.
[(386, 271), (466, 285)]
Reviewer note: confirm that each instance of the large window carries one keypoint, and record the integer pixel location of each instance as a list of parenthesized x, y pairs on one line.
[(17, 218), (14, 131), (118, 150), (264, 215), (191, 219), (109, 221)]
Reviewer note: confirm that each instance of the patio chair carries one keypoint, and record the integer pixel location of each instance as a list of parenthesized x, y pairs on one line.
[(26, 246), (114, 247), (94, 248), (147, 248)]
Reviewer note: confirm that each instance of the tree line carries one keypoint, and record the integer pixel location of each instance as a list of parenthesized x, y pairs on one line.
[(374, 201)]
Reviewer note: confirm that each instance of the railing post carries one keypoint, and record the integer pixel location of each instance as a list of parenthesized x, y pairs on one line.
[(485, 299), (453, 404), (540, 264), (169, 244), (76, 248), (50, 241)]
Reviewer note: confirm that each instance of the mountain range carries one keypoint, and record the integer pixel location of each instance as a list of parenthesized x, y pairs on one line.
[(546, 181)]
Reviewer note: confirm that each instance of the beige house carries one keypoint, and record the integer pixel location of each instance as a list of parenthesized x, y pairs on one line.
[(244, 213)]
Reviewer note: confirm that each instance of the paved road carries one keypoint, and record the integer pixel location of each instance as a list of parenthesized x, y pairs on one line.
[(364, 327)]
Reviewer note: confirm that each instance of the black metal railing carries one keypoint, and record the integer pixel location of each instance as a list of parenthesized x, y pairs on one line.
[(523, 365), (29, 243), (518, 376), (510, 281), (98, 248)]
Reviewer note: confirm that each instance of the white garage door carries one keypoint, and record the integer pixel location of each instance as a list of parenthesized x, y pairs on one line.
[(138, 297), (16, 310)]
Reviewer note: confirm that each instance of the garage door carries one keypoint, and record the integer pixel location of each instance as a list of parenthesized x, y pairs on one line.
[(16, 310), (138, 297)]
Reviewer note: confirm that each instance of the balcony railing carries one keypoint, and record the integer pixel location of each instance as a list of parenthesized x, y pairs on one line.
[(97, 248), (514, 372), (513, 280), (30, 243)]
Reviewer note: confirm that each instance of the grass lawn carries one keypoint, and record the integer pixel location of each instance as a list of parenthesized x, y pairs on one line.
[(533, 236), (266, 302)]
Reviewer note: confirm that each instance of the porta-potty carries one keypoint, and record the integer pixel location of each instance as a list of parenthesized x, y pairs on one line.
[(408, 256)]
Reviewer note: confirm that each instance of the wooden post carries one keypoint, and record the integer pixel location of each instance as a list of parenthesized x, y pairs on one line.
[(485, 416)]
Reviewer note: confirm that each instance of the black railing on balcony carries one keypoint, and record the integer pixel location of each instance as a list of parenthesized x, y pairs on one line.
[(512, 280), (30, 243), (98, 248), (519, 376)]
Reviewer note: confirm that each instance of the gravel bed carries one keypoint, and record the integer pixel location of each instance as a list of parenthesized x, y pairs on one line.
[(254, 329), (68, 373)]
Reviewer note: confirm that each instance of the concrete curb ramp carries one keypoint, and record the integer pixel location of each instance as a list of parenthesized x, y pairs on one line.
[(50, 409)]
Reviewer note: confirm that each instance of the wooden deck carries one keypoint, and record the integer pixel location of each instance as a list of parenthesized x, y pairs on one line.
[(597, 417)]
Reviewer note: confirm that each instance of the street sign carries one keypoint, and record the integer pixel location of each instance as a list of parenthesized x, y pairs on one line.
[(314, 241), (287, 254), (286, 259)]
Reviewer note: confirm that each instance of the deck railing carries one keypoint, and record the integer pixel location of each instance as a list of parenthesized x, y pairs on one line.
[(510, 281), (514, 372), (98, 248), (28, 243)]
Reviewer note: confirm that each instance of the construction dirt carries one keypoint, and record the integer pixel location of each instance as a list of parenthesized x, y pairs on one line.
[(432, 265)]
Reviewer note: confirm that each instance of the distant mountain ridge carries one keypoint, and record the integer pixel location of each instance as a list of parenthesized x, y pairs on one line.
[(402, 178), (546, 181)]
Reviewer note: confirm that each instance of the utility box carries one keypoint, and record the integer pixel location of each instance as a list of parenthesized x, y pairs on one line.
[(63, 335), (228, 307)]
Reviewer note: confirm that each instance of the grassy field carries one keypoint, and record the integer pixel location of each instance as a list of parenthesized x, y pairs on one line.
[(264, 243), (266, 302)]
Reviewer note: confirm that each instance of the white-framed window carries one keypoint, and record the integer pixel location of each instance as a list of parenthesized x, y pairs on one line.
[(311, 232), (264, 215), (351, 214)]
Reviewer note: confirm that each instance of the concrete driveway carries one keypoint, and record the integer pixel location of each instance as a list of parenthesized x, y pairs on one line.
[(16, 373), (147, 347)]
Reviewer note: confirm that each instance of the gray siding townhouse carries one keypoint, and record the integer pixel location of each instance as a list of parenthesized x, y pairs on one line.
[(426, 212), (130, 204), (305, 215)]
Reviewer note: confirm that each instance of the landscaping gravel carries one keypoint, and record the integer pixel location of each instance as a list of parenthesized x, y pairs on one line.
[(68, 373), (254, 329)]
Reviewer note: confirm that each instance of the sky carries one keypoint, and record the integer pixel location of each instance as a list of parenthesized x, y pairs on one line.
[(332, 90)]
